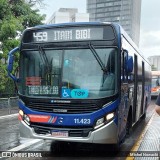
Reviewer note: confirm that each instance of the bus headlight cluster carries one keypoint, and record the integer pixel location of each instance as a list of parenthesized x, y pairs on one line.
[(24, 117), (109, 116), (21, 113), (102, 121), (99, 123)]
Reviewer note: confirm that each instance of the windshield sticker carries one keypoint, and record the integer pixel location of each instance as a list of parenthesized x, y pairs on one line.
[(79, 93), (33, 81), (66, 93), (43, 90)]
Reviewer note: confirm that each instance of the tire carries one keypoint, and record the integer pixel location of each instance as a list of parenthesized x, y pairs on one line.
[(129, 125), (116, 148), (58, 147), (144, 115)]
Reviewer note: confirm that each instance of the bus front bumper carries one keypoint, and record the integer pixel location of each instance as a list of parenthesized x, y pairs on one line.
[(106, 134), (155, 93)]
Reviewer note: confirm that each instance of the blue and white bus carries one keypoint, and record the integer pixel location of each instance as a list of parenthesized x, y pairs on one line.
[(80, 82), (155, 89)]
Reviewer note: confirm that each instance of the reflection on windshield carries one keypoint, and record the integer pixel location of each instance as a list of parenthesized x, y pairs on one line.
[(70, 73), (155, 82)]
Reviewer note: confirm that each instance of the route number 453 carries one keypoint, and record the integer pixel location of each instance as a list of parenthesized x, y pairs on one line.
[(40, 36)]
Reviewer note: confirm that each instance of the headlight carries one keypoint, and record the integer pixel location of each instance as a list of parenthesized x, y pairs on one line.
[(20, 116), (102, 121), (109, 116), (26, 119), (21, 113), (99, 123)]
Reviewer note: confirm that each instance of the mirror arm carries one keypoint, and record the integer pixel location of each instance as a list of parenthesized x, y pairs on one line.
[(10, 63)]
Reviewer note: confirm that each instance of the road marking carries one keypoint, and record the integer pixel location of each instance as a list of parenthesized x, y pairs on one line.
[(26, 145), (8, 116), (140, 138)]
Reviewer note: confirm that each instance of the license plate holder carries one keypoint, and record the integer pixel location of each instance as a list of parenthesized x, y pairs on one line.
[(60, 134)]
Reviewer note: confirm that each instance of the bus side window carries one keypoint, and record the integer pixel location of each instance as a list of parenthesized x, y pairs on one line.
[(122, 66), (124, 74)]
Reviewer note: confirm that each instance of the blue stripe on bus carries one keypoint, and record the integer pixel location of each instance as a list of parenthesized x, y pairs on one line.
[(88, 119)]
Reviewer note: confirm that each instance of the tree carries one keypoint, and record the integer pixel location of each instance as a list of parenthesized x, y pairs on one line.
[(15, 15), (36, 2)]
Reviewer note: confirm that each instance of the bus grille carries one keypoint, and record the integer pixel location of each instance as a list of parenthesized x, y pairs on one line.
[(81, 132), (63, 108)]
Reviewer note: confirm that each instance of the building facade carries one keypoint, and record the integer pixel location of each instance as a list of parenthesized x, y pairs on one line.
[(64, 15), (125, 12), (155, 62)]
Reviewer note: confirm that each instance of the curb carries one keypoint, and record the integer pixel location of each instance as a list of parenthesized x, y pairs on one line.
[(140, 138)]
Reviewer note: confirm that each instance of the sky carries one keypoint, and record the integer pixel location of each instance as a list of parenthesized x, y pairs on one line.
[(150, 28), (150, 21)]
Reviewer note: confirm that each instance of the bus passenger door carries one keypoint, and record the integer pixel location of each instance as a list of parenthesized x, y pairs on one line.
[(143, 83), (123, 109), (138, 89), (135, 88)]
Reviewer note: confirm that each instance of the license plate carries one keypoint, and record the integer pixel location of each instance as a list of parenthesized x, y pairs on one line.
[(60, 134)]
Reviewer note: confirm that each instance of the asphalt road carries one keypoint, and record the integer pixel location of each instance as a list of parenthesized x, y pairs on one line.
[(9, 133)]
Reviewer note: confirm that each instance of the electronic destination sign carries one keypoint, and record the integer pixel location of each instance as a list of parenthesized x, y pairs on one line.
[(68, 34)]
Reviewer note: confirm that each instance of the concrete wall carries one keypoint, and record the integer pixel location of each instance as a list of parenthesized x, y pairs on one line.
[(8, 106), (6, 102)]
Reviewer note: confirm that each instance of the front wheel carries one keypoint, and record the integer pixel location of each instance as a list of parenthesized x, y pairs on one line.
[(144, 115), (58, 147), (116, 148), (129, 126)]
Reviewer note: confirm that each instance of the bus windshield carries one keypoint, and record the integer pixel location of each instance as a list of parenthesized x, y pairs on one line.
[(68, 73), (155, 81)]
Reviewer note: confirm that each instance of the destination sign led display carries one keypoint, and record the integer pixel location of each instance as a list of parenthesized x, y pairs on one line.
[(68, 34)]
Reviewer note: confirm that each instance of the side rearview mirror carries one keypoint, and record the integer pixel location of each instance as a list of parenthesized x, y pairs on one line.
[(10, 63), (129, 65)]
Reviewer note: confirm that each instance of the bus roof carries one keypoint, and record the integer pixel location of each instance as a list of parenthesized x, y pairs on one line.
[(72, 24)]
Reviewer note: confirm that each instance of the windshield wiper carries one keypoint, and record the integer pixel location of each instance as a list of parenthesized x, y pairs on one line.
[(44, 58), (46, 63), (104, 69)]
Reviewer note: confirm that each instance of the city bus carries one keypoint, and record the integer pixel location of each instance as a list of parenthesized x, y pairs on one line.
[(155, 83), (81, 83)]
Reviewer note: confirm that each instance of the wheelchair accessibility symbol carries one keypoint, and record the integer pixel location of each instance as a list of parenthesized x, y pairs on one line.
[(66, 93)]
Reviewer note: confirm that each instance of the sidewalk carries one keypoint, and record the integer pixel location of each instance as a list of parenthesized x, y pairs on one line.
[(149, 147), (151, 140)]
